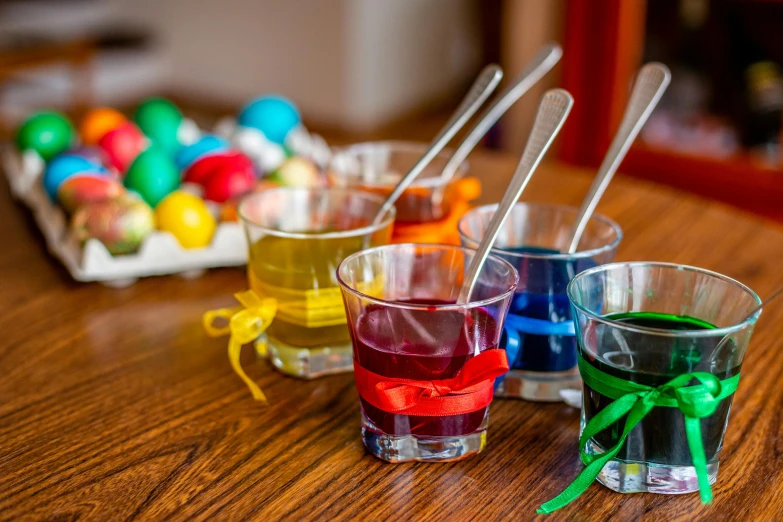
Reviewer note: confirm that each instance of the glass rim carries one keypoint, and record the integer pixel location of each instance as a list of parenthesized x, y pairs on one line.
[(414, 306), (415, 147), (579, 254), (354, 232), (722, 331)]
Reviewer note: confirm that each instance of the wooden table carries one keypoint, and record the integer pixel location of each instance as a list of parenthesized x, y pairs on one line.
[(115, 405)]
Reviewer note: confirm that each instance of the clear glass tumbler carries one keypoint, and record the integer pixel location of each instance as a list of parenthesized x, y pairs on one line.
[(424, 366), (539, 334), (297, 237), (648, 323), (421, 216)]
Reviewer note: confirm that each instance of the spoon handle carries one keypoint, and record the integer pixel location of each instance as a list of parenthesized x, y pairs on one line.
[(543, 61), (651, 81), (485, 83), (552, 113)]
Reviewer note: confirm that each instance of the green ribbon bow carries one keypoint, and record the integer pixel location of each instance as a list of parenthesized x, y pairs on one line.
[(637, 400)]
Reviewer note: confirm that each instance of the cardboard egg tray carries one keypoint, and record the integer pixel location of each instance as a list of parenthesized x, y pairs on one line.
[(160, 253)]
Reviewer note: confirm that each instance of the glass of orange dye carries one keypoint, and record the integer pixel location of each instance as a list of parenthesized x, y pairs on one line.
[(421, 218)]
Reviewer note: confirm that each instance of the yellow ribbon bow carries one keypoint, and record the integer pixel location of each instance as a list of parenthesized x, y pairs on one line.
[(245, 324)]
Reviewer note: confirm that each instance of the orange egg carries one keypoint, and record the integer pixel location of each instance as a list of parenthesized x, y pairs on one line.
[(98, 122)]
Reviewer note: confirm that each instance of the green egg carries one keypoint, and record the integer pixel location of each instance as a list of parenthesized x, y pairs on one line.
[(152, 175), (159, 120), (47, 133)]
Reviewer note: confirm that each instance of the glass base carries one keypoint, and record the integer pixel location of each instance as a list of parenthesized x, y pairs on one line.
[(538, 386), (421, 448), (308, 363), (641, 477)]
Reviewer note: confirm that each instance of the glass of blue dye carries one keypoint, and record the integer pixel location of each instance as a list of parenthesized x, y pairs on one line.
[(538, 334)]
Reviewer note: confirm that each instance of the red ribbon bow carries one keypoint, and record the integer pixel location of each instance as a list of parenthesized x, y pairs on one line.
[(470, 390)]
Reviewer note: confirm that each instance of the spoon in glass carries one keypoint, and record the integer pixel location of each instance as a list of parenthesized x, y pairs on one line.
[(651, 82), (485, 83), (552, 113), (542, 63)]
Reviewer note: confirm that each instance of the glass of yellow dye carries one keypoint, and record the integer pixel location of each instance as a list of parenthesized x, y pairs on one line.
[(376, 167), (297, 237)]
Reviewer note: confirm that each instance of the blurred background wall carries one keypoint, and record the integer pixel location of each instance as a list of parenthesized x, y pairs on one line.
[(362, 69), (350, 63)]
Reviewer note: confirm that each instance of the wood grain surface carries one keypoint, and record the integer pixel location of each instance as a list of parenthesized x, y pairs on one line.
[(114, 405)]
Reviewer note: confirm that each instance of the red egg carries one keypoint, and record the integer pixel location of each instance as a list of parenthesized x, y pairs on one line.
[(202, 170), (87, 187), (229, 182), (123, 144)]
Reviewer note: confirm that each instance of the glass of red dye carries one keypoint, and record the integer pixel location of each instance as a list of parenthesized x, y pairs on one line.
[(425, 367)]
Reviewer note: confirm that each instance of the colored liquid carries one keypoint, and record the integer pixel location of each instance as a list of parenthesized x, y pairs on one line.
[(415, 205), (543, 284), (660, 437), (421, 345), (278, 265)]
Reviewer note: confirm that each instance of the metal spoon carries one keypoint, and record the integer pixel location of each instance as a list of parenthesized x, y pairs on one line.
[(651, 81), (542, 63), (552, 113), (487, 80)]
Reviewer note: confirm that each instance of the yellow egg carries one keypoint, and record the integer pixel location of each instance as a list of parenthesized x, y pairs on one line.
[(187, 218)]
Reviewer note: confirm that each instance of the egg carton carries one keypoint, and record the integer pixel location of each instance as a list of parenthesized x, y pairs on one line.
[(159, 254), (266, 155)]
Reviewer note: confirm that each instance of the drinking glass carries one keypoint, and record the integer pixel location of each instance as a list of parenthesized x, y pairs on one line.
[(538, 334), (648, 323), (424, 366), (297, 237), (378, 166)]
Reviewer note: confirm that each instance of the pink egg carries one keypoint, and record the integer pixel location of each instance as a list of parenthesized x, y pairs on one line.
[(123, 144), (87, 187), (229, 182), (204, 168)]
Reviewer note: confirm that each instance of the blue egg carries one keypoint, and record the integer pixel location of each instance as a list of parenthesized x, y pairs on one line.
[(275, 116), (207, 144), (63, 167)]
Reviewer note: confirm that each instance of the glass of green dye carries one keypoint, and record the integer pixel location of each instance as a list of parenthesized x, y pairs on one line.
[(648, 324)]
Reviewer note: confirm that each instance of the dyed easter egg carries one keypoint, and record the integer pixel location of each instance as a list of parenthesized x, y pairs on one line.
[(160, 119), (152, 175), (47, 133), (275, 116), (202, 169), (123, 144), (63, 167), (296, 172), (187, 218), (228, 182), (206, 144), (120, 223), (88, 187), (97, 122)]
